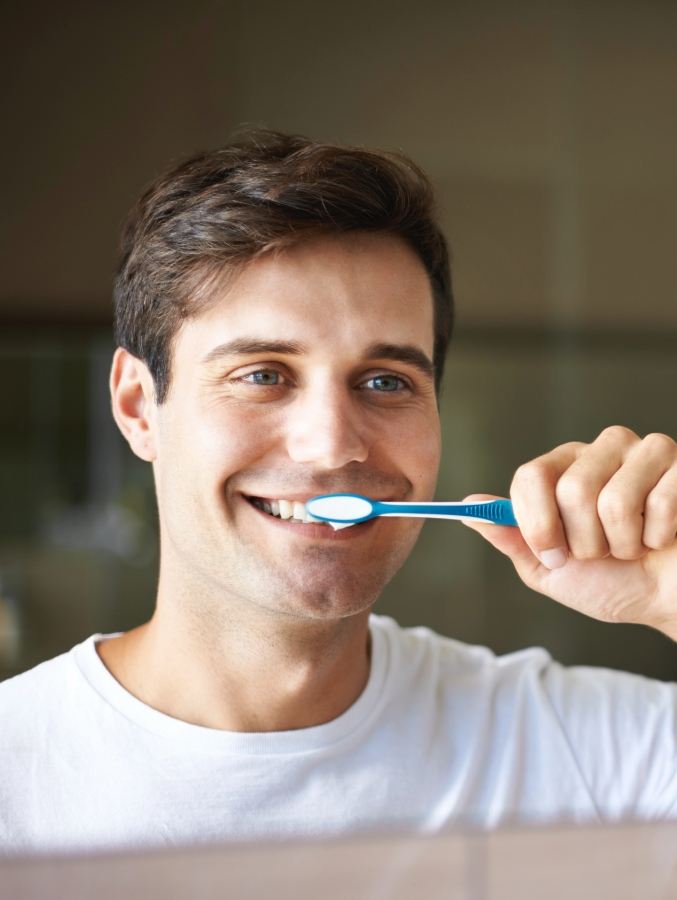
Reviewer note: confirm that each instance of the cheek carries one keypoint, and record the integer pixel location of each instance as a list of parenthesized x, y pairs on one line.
[(423, 450), (223, 441)]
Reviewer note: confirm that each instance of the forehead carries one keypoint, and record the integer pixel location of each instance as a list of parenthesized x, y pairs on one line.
[(335, 293)]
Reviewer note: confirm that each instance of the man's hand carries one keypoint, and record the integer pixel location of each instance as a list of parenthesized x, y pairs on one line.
[(598, 527)]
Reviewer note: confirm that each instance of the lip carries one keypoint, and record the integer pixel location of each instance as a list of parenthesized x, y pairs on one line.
[(316, 532)]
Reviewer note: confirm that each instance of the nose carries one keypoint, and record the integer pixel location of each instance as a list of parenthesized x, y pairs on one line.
[(325, 429)]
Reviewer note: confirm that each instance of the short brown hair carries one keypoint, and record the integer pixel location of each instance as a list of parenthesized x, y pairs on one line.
[(265, 190)]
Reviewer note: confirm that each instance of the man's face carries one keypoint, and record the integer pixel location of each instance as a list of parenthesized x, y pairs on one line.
[(328, 410)]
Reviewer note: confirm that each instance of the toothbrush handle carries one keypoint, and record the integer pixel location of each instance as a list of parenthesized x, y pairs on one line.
[(499, 512)]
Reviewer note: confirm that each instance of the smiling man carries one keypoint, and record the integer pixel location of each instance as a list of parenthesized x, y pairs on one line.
[(282, 314), (310, 372)]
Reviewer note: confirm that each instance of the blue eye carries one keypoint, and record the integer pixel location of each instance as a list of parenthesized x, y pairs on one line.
[(265, 377), (387, 383)]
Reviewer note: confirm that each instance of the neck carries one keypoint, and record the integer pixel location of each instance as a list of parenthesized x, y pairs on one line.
[(251, 671)]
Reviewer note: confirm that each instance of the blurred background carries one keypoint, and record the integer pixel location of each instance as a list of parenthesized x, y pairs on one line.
[(549, 131)]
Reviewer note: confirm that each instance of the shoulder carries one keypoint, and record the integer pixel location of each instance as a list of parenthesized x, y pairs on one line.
[(30, 699), (453, 659), (40, 678), (571, 692), (582, 693)]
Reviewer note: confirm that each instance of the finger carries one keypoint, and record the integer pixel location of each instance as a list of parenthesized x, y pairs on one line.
[(579, 488), (535, 504), (623, 498), (660, 513), (505, 538)]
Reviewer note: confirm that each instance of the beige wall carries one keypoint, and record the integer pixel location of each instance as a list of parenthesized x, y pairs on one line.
[(549, 130)]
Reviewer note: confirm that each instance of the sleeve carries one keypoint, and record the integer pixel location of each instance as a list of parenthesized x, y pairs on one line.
[(622, 731)]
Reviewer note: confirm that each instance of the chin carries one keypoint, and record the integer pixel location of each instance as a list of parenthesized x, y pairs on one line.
[(321, 598)]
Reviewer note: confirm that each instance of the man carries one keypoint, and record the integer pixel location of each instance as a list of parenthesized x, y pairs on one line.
[(282, 314)]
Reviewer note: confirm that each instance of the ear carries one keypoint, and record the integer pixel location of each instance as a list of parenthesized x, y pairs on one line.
[(133, 403)]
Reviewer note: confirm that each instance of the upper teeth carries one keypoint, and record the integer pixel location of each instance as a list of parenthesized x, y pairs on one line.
[(286, 509)]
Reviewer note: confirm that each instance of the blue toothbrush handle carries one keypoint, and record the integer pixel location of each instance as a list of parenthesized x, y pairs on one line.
[(499, 512)]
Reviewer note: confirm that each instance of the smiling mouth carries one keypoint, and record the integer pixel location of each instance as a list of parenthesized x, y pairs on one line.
[(291, 511)]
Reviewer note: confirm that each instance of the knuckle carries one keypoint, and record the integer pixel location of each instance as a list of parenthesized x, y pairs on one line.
[(613, 506), (531, 472), (662, 505), (619, 434), (629, 552), (517, 478), (660, 541), (574, 446), (543, 534), (587, 553), (572, 490), (659, 443), (590, 543)]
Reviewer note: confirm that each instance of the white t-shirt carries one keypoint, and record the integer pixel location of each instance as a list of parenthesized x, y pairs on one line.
[(444, 734)]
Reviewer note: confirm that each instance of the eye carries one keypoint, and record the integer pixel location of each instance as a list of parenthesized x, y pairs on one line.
[(387, 384), (263, 377)]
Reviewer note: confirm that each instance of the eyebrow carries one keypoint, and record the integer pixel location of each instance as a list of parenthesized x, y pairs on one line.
[(245, 346), (405, 353)]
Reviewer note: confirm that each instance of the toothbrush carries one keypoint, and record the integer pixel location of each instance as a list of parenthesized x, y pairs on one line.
[(342, 510)]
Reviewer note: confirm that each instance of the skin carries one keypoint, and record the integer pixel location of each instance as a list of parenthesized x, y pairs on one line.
[(263, 627)]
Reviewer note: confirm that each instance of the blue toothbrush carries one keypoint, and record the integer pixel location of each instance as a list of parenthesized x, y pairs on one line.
[(341, 510)]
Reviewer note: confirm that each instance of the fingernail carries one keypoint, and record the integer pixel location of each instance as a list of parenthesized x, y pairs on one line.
[(553, 559)]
